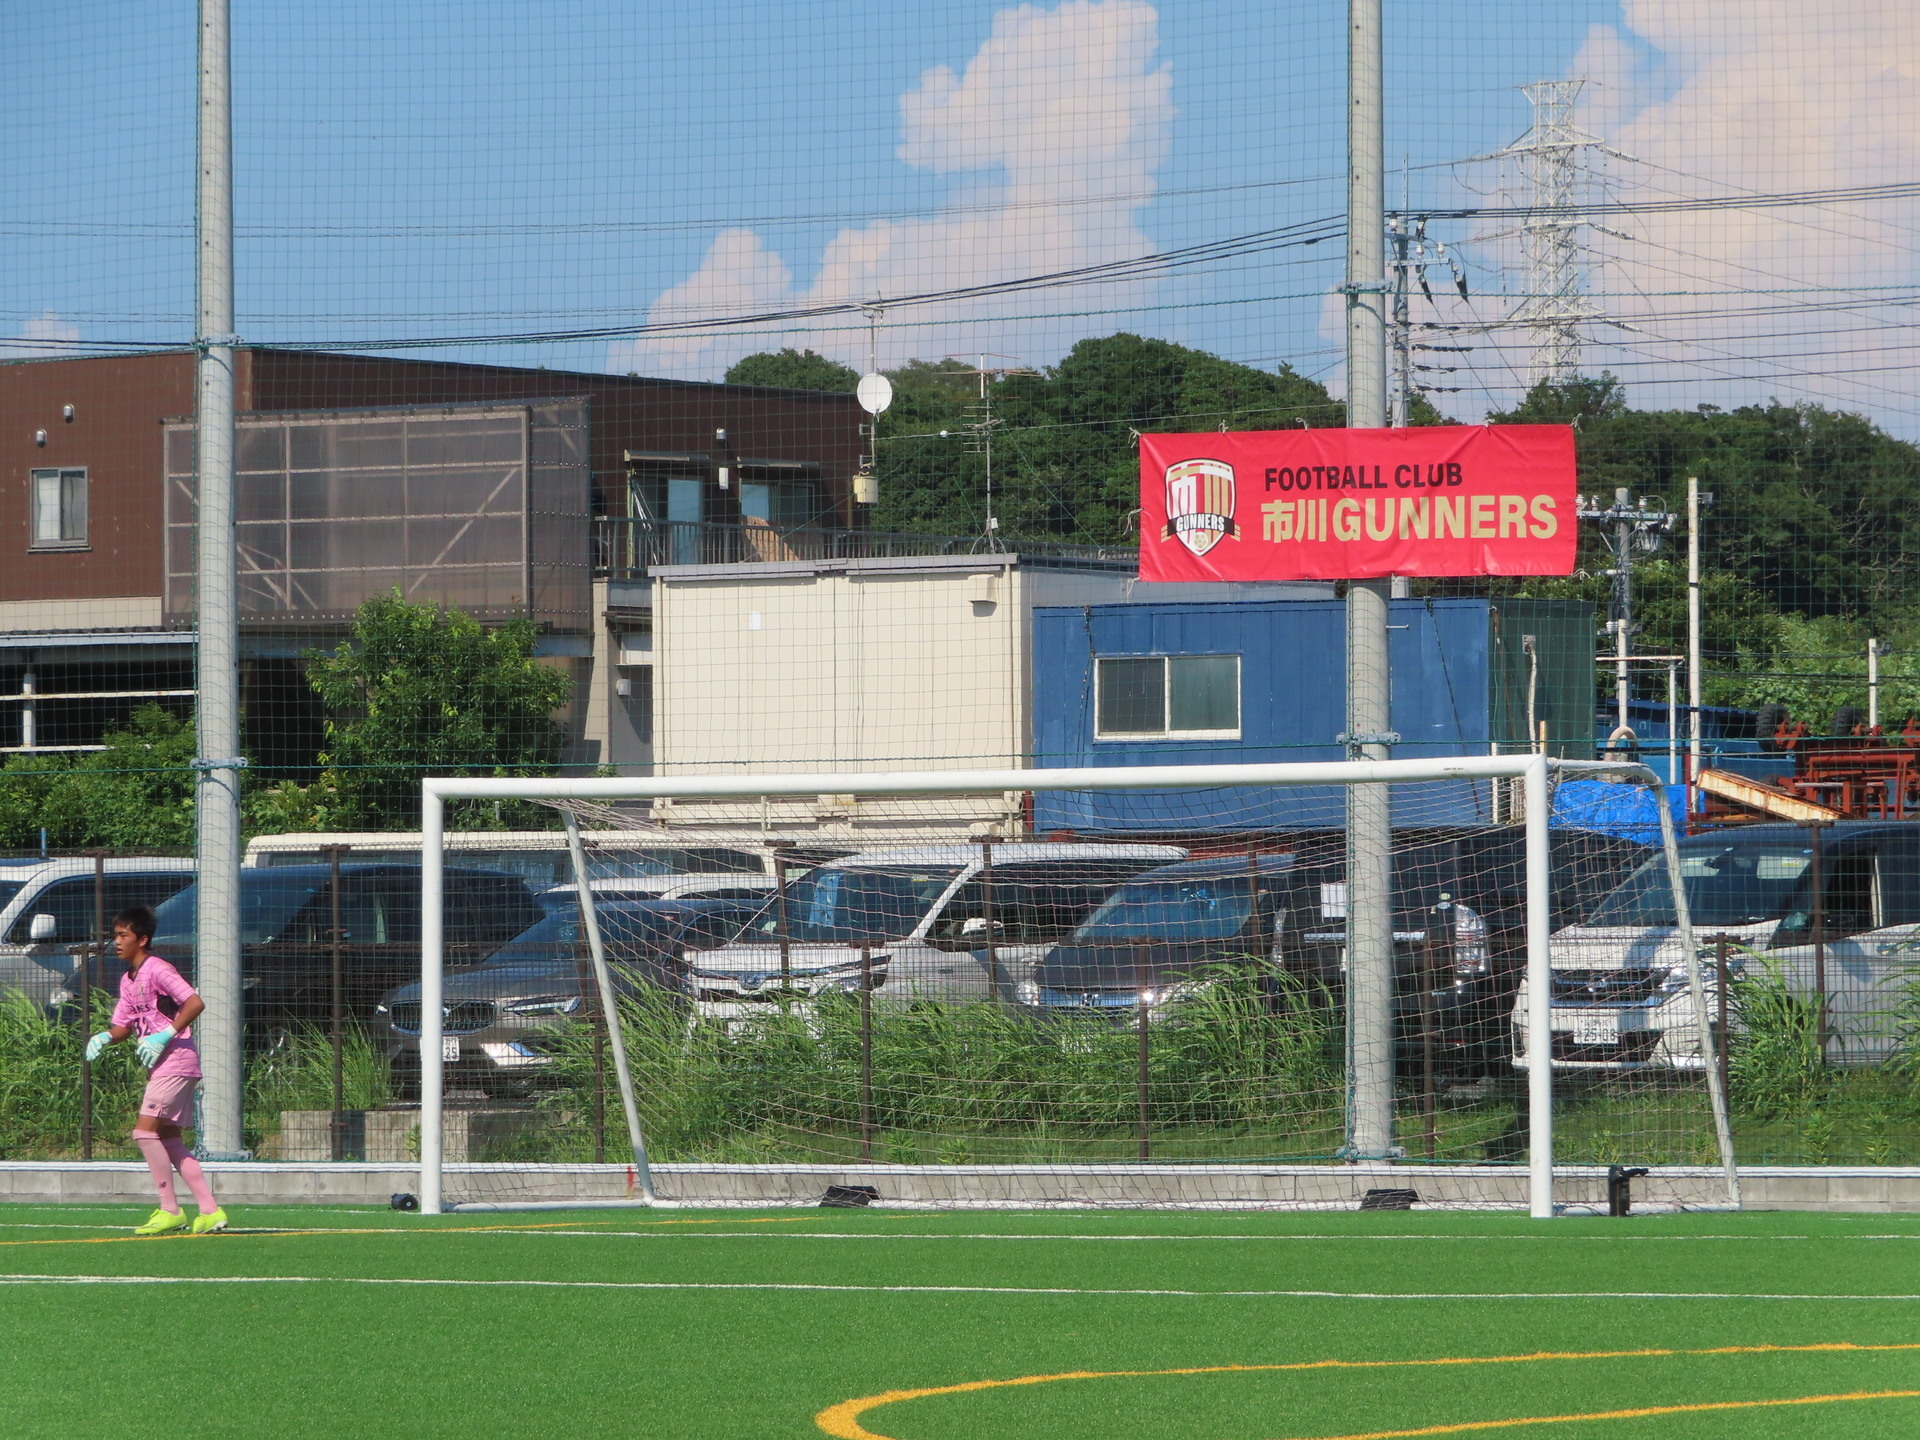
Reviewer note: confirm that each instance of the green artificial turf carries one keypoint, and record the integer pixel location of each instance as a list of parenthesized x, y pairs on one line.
[(585, 1352)]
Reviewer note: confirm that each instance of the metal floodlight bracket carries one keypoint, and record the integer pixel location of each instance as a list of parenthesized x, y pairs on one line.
[(215, 342), (1363, 287), (238, 763), (1385, 737)]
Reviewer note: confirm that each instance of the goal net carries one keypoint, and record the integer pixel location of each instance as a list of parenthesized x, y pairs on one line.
[(1118, 987)]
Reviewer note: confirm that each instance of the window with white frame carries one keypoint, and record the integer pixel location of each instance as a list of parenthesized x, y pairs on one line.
[(59, 510), (1167, 697)]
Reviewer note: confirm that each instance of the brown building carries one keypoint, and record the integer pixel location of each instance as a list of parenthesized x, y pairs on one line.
[(505, 492)]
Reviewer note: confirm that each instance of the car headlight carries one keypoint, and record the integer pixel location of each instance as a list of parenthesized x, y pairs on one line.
[(61, 997), (544, 1005), (380, 1009), (1163, 997), (1027, 992)]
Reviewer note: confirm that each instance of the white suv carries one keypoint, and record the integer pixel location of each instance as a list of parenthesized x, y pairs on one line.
[(47, 910), (1620, 994), (929, 924)]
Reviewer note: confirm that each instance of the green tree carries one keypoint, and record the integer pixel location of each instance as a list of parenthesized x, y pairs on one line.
[(791, 369), (136, 794), (420, 690), (1065, 464), (1813, 508)]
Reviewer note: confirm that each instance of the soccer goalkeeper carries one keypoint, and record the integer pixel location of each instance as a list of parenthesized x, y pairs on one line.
[(158, 1006)]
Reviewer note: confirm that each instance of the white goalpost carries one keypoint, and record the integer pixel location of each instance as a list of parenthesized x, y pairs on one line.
[(1526, 783)]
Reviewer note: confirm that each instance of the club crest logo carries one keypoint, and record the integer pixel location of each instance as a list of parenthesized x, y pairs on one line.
[(1199, 503)]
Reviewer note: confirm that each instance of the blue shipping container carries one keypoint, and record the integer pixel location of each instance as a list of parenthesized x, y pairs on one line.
[(1461, 683)]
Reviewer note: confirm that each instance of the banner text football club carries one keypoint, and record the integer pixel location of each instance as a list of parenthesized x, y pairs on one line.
[(1358, 504)]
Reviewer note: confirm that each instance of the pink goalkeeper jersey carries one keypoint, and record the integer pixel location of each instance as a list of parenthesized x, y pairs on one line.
[(149, 999)]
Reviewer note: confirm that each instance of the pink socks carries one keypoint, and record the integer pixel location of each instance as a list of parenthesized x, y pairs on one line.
[(163, 1157), (161, 1164), (191, 1172)]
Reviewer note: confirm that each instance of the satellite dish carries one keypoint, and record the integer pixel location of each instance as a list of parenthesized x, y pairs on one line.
[(874, 392)]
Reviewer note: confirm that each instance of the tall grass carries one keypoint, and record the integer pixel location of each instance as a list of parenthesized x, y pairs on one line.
[(1239, 1070), (1775, 1067), (1790, 1106), (297, 1074), (40, 1109), (40, 1102)]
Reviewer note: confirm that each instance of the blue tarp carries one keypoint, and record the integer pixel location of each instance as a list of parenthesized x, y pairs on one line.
[(1626, 811)]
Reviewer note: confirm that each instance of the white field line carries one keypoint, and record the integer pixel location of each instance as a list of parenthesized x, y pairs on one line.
[(1447, 1296)]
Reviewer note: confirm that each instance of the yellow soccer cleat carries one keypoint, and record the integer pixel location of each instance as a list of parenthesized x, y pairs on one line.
[(207, 1224), (162, 1222)]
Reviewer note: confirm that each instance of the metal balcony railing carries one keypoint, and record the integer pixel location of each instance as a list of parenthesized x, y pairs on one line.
[(625, 548)]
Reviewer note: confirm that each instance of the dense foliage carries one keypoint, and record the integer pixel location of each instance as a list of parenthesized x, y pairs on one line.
[(1809, 549), (414, 690), (136, 794), (420, 690)]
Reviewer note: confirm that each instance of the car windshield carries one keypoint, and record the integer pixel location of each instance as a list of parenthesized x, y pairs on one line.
[(1210, 908), (1736, 882), (267, 903), (847, 906), (624, 932)]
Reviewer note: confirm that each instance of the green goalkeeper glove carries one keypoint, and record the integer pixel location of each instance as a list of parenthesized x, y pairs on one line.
[(97, 1043), (150, 1047)]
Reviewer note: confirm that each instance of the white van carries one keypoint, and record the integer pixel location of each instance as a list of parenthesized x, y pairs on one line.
[(1620, 995), (929, 924), (47, 913), (624, 862)]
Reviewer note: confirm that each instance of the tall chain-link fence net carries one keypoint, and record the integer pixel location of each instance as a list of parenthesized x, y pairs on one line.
[(496, 516)]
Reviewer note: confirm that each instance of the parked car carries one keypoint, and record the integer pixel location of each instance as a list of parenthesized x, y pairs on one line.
[(47, 916), (1620, 994), (286, 934), (1459, 934), (928, 921), (625, 861), (503, 1017)]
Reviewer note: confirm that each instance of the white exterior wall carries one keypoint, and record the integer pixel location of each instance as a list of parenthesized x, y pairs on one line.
[(856, 665), (863, 665)]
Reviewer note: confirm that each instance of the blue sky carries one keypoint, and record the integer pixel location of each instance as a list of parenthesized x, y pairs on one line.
[(454, 169)]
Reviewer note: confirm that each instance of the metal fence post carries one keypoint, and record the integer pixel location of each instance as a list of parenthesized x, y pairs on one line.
[(336, 1028), (866, 1051)]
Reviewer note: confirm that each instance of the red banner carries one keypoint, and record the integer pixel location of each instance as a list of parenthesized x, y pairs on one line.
[(1358, 504)]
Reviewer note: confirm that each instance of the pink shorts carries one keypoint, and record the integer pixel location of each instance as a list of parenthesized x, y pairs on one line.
[(170, 1098)]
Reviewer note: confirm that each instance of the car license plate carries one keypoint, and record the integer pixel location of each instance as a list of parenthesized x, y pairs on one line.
[(1596, 1029), (449, 1047)]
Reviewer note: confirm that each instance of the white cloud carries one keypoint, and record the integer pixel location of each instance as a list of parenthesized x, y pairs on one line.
[(46, 334), (1053, 129), (1757, 96)]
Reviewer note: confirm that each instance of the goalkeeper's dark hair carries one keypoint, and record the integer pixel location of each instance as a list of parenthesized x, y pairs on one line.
[(138, 919)]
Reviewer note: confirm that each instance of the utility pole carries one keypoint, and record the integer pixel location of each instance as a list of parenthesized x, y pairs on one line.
[(1697, 499), (1629, 530), (1368, 736), (217, 720), (1877, 650), (1402, 321)]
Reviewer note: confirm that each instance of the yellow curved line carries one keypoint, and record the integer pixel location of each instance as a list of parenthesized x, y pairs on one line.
[(843, 1420), (1631, 1414)]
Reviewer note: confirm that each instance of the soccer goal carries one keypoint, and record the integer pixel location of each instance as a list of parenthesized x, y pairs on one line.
[(1148, 986)]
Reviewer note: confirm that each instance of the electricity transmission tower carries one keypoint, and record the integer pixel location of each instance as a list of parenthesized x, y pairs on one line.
[(1554, 156)]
